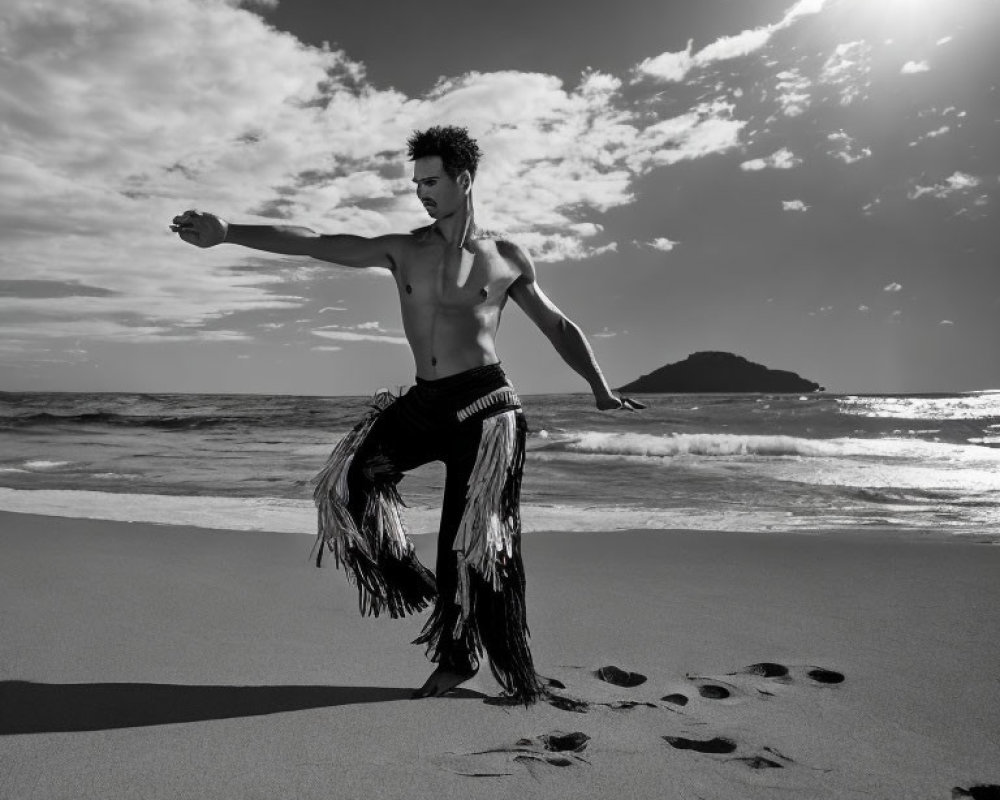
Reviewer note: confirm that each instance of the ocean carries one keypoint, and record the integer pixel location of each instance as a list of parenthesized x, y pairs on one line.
[(740, 462)]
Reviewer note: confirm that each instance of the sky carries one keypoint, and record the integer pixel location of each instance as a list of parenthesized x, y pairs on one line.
[(811, 184)]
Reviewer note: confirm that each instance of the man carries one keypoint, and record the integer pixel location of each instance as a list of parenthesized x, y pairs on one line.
[(453, 280)]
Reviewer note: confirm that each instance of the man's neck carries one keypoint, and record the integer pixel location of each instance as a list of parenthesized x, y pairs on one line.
[(458, 228)]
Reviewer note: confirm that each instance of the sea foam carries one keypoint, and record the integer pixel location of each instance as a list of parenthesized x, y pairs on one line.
[(601, 443), (299, 516)]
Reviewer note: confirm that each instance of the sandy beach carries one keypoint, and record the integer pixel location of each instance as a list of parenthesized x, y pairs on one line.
[(155, 661)]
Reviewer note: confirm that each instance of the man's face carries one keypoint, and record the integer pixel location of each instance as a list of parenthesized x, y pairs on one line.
[(440, 194)]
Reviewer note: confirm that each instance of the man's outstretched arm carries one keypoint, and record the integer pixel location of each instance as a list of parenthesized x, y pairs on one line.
[(203, 229), (565, 335)]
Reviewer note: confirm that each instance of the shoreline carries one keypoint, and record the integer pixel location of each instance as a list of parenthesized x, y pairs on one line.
[(281, 515)]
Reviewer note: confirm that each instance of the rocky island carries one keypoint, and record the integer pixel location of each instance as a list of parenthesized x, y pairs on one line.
[(713, 371)]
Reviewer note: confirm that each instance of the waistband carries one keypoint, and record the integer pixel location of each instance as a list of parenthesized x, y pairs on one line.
[(475, 377), (465, 394)]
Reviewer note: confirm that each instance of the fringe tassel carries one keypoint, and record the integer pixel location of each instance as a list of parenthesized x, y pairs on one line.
[(377, 557), (485, 534)]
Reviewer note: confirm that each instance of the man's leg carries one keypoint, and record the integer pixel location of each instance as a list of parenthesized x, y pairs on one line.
[(457, 657), (497, 621), (360, 517)]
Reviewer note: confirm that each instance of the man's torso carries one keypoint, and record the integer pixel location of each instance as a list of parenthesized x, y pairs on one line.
[(451, 300)]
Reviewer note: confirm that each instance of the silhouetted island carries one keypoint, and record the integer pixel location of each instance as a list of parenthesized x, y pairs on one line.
[(713, 371)]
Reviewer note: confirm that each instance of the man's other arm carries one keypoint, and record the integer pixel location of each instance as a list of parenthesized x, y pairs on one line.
[(565, 335), (203, 229)]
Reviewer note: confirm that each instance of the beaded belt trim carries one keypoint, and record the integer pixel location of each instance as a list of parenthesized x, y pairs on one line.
[(504, 396)]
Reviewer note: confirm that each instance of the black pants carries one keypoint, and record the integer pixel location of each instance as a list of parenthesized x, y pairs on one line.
[(473, 423)]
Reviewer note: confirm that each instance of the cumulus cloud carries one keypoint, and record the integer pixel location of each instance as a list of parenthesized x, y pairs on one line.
[(793, 205), (960, 191), (663, 244), (846, 148), (914, 67), (956, 183), (892, 287), (673, 67), (780, 159)]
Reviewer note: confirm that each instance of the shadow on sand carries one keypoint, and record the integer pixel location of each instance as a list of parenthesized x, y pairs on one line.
[(27, 707)]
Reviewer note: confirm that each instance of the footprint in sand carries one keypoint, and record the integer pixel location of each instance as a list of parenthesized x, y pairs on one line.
[(676, 699), (555, 749), (982, 791), (709, 688), (746, 683), (613, 675), (620, 677), (721, 745), (828, 676), (780, 673)]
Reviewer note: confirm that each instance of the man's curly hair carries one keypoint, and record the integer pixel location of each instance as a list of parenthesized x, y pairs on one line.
[(458, 150)]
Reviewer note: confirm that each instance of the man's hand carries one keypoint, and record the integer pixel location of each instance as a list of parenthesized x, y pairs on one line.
[(200, 228), (610, 402)]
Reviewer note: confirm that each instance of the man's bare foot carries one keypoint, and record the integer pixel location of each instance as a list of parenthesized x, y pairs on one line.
[(442, 680)]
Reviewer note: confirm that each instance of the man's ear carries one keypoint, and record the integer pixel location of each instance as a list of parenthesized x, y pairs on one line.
[(465, 180)]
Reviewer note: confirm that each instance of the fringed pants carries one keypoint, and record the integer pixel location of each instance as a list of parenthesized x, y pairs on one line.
[(474, 424)]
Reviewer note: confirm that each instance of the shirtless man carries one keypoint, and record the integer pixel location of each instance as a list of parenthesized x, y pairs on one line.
[(453, 280)]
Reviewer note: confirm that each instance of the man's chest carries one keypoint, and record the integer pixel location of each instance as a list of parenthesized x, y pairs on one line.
[(450, 277)]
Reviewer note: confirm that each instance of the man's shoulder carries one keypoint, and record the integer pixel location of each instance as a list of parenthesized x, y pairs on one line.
[(421, 234)]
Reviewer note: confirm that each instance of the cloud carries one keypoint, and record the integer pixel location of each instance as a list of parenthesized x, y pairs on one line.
[(780, 159), (661, 243), (847, 71), (846, 148), (864, 309), (793, 92), (793, 205), (892, 287), (931, 135), (956, 183), (914, 67), (112, 130), (604, 333), (946, 322), (372, 332), (959, 191), (554, 247), (943, 40), (673, 67)]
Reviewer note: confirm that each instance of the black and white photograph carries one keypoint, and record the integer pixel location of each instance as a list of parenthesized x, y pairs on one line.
[(476, 400)]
